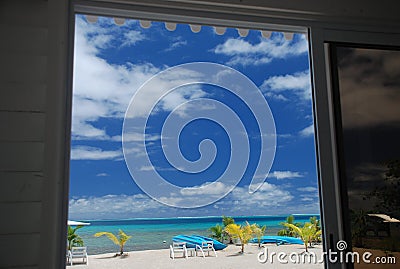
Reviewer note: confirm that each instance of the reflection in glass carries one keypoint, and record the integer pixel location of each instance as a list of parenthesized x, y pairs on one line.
[(369, 95)]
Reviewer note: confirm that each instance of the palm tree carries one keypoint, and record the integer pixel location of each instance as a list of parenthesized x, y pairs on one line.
[(307, 233), (217, 232), (288, 231), (258, 232), (226, 221), (74, 240), (314, 221), (241, 232), (119, 241), (317, 224)]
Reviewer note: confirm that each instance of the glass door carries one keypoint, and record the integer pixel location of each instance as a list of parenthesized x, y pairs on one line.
[(366, 82)]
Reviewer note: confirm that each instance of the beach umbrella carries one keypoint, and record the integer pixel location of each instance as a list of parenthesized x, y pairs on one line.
[(77, 223)]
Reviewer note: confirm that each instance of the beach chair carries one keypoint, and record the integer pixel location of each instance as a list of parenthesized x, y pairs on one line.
[(206, 246), (178, 247), (68, 256), (78, 252)]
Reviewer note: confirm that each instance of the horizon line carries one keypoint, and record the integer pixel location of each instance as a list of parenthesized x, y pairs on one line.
[(201, 217)]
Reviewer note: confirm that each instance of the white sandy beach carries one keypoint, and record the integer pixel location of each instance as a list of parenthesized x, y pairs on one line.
[(229, 258)]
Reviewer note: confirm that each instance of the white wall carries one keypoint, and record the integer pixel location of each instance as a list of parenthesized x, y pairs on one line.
[(34, 101), (28, 77), (23, 54)]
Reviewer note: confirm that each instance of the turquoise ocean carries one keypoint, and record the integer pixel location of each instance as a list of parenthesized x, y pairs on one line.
[(157, 233)]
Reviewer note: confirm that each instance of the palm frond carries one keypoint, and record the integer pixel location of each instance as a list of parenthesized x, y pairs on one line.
[(123, 237), (109, 235), (293, 227)]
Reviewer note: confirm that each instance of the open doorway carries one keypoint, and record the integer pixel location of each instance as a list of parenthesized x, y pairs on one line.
[(111, 185)]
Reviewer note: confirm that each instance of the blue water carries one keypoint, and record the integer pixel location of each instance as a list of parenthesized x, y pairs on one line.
[(150, 233)]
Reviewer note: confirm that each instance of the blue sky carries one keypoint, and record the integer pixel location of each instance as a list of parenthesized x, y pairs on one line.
[(112, 62)]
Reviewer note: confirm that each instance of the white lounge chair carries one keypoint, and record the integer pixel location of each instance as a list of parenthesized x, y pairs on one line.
[(206, 246), (78, 252), (178, 247)]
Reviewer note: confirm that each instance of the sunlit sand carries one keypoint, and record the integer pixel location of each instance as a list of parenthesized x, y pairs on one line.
[(228, 258)]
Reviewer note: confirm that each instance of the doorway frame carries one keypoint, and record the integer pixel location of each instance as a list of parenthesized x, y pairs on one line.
[(320, 35)]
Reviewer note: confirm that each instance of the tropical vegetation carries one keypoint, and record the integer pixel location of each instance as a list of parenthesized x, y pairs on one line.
[(317, 224), (119, 240), (242, 232), (308, 233), (226, 221), (287, 231), (217, 232), (73, 239), (258, 232)]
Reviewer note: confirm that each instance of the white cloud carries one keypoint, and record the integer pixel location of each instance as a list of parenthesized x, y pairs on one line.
[(308, 131), (135, 137), (101, 41), (238, 202), (176, 43), (179, 96), (104, 90), (147, 168), (160, 93), (92, 153), (264, 197), (285, 174), (276, 47), (244, 53), (111, 206), (106, 34), (101, 89), (248, 60), (132, 37), (284, 135), (102, 175), (278, 97), (217, 189), (278, 86), (307, 189)]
